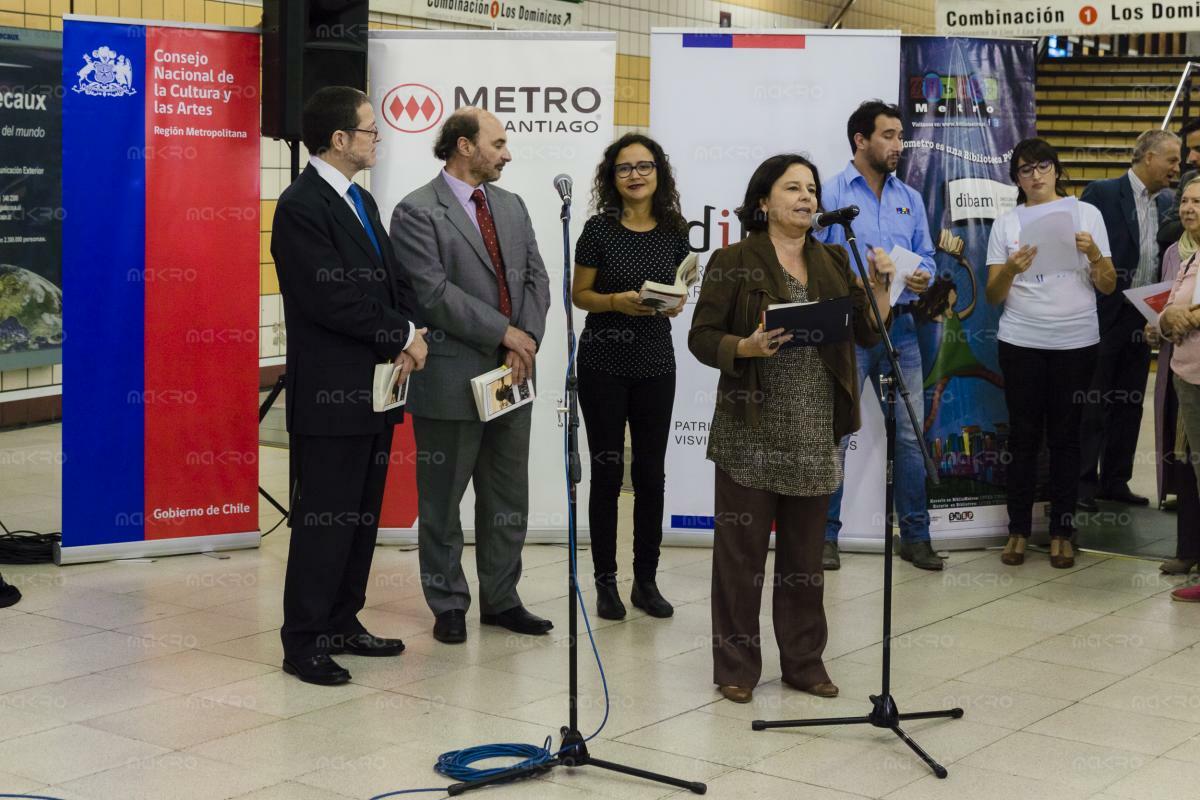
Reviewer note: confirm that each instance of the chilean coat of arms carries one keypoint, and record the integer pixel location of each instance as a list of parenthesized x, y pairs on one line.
[(105, 74)]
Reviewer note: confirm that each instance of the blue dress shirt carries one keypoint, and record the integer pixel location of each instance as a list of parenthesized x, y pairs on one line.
[(896, 218)]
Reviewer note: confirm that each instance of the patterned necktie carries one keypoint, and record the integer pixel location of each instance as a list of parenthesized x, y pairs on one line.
[(361, 208), (487, 227)]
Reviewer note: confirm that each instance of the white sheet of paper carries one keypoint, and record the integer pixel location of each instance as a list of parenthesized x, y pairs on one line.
[(1054, 237), (1150, 300), (1051, 228), (906, 262)]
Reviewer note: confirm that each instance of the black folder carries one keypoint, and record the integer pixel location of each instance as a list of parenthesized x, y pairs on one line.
[(811, 324)]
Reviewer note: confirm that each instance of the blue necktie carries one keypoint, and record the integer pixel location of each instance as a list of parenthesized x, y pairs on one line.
[(356, 196)]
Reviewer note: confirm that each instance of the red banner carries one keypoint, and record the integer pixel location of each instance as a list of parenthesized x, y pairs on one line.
[(201, 330)]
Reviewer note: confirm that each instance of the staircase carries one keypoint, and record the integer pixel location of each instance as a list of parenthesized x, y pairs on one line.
[(1092, 109)]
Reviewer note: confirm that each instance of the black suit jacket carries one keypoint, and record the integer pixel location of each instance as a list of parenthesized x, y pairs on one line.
[(1114, 198), (346, 309)]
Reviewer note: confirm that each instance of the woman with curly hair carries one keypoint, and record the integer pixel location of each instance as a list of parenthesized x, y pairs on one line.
[(626, 359)]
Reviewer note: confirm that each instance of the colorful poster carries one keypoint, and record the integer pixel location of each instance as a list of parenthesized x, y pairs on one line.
[(776, 91), (966, 104), (31, 213), (160, 251), (558, 122)]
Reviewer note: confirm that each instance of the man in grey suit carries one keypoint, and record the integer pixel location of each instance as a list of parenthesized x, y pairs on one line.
[(469, 250)]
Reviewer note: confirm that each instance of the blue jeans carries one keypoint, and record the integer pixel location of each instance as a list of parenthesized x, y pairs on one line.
[(910, 465)]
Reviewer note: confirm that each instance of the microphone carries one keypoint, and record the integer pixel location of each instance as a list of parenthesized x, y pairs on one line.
[(563, 184), (827, 219)]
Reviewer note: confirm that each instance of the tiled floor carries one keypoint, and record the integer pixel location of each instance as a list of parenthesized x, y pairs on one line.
[(161, 681)]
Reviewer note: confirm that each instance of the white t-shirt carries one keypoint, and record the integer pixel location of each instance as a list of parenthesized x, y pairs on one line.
[(1049, 311)]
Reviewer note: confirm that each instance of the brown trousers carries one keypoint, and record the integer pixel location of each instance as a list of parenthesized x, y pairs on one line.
[(743, 519)]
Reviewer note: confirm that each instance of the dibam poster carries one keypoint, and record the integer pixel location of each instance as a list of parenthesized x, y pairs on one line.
[(966, 104)]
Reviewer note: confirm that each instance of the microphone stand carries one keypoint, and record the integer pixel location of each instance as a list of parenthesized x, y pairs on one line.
[(573, 752), (884, 712)]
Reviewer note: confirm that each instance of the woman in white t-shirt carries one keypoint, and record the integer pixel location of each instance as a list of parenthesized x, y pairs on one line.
[(1048, 336)]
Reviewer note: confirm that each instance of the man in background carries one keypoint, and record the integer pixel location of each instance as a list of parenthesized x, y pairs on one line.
[(890, 213), (1134, 207)]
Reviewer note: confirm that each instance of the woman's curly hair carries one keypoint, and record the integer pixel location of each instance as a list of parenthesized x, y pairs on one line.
[(665, 203)]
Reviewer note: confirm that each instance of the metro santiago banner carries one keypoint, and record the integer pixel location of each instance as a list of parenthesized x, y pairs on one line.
[(557, 120), (160, 255)]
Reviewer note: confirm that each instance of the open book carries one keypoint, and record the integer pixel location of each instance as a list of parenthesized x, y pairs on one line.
[(387, 391), (662, 296), (496, 393)]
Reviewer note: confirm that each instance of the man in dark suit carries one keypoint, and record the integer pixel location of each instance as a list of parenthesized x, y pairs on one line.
[(347, 307), (1171, 228), (469, 249), (1133, 207)]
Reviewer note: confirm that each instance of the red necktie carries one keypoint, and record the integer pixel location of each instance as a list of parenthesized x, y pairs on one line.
[(487, 227)]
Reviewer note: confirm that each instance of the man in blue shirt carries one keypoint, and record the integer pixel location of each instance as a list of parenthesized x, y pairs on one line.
[(890, 213)]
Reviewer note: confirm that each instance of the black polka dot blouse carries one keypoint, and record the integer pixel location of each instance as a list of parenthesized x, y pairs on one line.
[(635, 347)]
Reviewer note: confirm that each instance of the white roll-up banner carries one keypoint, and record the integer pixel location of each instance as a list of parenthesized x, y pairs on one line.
[(720, 104), (554, 93)]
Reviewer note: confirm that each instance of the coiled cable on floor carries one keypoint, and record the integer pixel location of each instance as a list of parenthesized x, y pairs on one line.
[(456, 764), (26, 547)]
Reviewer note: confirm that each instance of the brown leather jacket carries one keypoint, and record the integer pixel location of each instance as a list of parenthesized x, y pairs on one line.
[(740, 281)]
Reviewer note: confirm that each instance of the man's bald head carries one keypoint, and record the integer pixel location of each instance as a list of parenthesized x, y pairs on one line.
[(462, 124), (474, 145)]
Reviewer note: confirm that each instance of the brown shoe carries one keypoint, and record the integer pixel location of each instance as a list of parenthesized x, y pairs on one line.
[(1062, 555), (737, 694), (1178, 566), (1014, 551), (824, 689)]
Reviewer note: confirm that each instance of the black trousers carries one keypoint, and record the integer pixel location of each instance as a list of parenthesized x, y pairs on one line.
[(337, 493), (1187, 510), (608, 402), (1044, 390), (1112, 418), (1188, 521)]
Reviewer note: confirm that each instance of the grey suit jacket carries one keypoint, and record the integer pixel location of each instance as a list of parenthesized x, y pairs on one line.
[(445, 259)]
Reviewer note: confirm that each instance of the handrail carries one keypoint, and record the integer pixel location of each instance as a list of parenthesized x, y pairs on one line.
[(836, 19), (1184, 81)]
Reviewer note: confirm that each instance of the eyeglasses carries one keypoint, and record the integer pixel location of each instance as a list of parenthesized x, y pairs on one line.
[(373, 131), (1041, 168), (643, 168)]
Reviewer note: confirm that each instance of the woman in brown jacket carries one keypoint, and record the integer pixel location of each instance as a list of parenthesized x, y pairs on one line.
[(779, 417)]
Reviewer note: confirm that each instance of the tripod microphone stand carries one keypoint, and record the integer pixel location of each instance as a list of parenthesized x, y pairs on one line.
[(573, 752), (884, 712)]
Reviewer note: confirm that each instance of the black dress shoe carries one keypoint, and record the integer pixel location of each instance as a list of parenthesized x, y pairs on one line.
[(1088, 504), (645, 595), (608, 599), (921, 554), (364, 644), (320, 669), (1123, 495), (518, 620), (451, 627)]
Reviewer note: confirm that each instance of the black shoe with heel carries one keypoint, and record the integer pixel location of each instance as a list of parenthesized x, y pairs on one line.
[(608, 599), (645, 595)]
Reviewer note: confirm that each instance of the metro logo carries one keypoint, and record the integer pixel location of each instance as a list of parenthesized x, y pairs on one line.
[(412, 108)]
